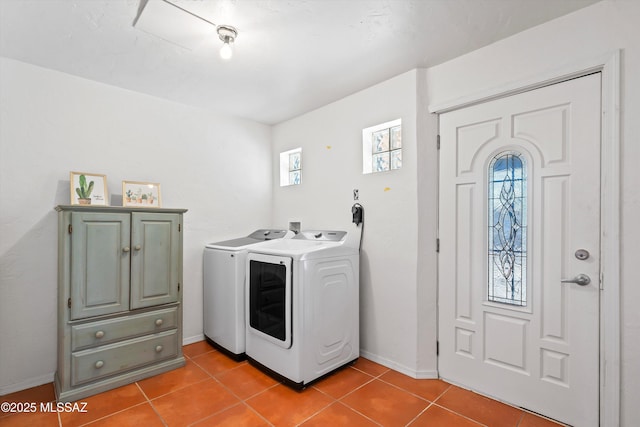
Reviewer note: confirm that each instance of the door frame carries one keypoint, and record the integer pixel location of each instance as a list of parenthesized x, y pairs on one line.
[(608, 64)]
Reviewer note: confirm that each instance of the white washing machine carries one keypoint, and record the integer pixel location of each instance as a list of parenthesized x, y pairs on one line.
[(302, 305), (223, 293)]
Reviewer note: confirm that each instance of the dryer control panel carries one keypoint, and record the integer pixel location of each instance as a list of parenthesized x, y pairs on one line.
[(322, 235)]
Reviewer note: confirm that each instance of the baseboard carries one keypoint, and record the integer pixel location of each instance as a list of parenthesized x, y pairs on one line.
[(421, 375), (23, 385), (191, 340)]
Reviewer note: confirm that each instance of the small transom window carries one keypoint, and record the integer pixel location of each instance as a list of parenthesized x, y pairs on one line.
[(291, 167), (382, 147)]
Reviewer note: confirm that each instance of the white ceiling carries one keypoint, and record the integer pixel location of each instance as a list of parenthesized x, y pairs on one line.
[(290, 57)]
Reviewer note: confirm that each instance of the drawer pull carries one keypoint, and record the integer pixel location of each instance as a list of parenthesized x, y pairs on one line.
[(159, 348), (159, 322), (99, 334), (137, 247), (126, 249), (99, 364)]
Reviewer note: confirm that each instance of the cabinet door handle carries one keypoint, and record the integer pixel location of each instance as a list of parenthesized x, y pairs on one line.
[(126, 249), (99, 364), (159, 322), (99, 334), (159, 348), (137, 247)]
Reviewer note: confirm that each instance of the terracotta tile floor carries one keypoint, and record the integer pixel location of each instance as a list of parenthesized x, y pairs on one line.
[(213, 390)]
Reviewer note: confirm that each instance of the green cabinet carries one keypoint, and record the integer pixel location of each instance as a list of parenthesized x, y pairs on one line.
[(100, 263), (154, 241), (119, 296)]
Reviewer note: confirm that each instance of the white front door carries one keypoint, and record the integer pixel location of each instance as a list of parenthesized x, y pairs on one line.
[(519, 215)]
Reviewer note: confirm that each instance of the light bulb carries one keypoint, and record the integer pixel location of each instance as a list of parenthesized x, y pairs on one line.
[(226, 52)]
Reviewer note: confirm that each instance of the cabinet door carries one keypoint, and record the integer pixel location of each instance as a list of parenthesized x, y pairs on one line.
[(100, 259), (155, 259)]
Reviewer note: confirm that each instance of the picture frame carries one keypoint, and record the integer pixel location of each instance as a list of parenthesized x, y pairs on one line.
[(141, 194), (88, 189)]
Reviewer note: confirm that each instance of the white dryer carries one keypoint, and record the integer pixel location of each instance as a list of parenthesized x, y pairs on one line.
[(302, 305), (223, 293)]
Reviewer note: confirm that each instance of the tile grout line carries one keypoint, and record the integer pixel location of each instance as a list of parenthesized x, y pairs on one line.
[(360, 413), (443, 392), (379, 378), (435, 402), (227, 389), (459, 414), (339, 401), (153, 408), (411, 392), (371, 375), (353, 391), (111, 414), (239, 403), (523, 411), (178, 389), (420, 413), (316, 413), (240, 400), (252, 409)]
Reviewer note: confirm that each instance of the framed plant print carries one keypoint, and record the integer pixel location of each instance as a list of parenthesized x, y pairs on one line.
[(141, 194), (88, 189)]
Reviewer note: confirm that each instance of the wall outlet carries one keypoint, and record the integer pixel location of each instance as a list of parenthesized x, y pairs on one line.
[(294, 226)]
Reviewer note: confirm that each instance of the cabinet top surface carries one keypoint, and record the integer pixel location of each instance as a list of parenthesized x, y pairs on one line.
[(83, 208)]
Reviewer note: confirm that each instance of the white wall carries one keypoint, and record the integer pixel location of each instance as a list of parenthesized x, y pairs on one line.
[(587, 33), (52, 123), (331, 141)]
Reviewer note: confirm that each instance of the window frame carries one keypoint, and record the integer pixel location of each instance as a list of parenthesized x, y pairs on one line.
[(285, 167), (368, 148)]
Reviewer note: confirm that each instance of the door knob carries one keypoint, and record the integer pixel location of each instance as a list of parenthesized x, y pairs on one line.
[(580, 279)]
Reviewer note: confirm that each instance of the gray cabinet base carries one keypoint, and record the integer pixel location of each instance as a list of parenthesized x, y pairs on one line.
[(116, 381)]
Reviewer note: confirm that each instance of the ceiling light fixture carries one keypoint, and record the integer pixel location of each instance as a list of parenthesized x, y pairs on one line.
[(228, 35)]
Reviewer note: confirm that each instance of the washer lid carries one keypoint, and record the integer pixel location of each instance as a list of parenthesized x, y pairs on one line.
[(257, 236)]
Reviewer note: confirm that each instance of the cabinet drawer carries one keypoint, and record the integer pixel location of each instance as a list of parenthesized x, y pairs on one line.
[(112, 330), (89, 365)]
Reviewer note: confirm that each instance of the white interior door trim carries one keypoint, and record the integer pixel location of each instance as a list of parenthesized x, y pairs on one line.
[(609, 65)]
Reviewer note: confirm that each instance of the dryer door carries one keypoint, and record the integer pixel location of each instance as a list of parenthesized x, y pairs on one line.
[(269, 298)]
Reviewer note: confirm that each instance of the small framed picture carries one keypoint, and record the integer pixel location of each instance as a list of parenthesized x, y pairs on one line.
[(137, 193), (88, 188)]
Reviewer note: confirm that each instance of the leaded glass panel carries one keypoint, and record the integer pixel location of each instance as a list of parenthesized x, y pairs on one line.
[(396, 137), (294, 161), (381, 141), (396, 159), (294, 178), (507, 260), (381, 162)]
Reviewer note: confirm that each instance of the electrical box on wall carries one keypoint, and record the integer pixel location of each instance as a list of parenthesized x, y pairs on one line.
[(294, 226)]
